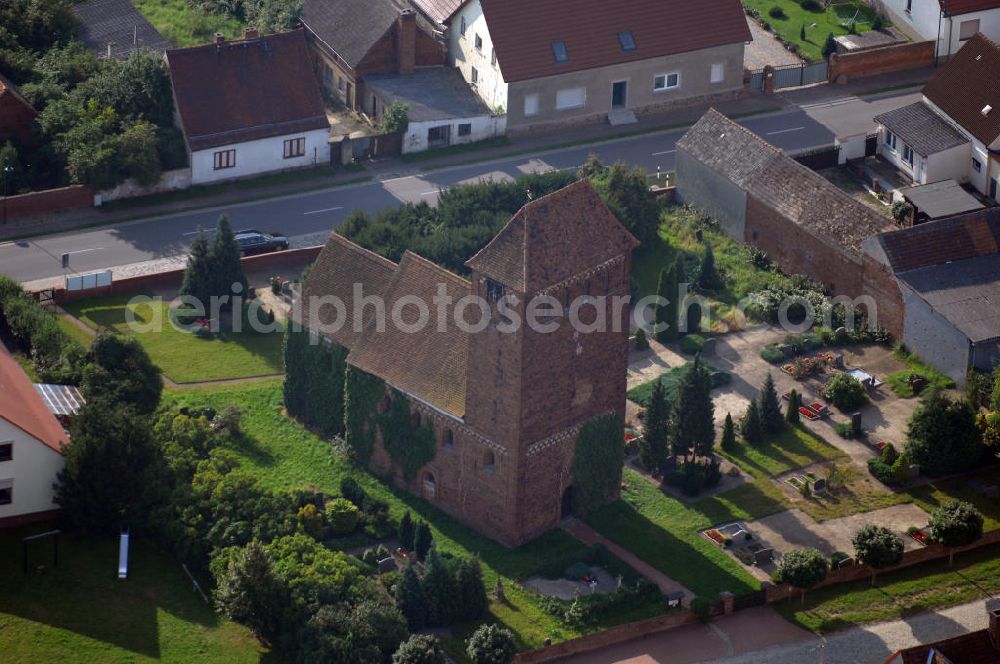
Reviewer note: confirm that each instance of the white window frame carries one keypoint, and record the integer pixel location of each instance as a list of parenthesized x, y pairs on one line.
[(908, 155), (295, 147), (477, 42), (223, 159), (718, 73), (473, 77), (666, 87), (532, 103), (571, 106), (977, 165), (890, 140)]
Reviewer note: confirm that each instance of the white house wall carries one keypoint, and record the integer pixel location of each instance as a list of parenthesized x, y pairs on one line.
[(261, 156), (483, 127), (925, 20), (33, 469), (462, 54), (951, 164), (951, 42)]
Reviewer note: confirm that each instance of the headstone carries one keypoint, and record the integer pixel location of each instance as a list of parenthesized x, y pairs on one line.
[(708, 348), (819, 485), (856, 424)]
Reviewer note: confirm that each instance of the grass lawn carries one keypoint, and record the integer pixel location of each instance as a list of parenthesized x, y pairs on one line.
[(926, 587), (794, 447), (664, 531), (81, 612), (183, 26), (183, 357), (75, 332), (931, 496), (285, 456), (835, 20), (914, 365), (671, 380)]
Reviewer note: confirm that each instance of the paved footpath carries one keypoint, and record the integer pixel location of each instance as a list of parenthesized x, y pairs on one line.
[(760, 635)]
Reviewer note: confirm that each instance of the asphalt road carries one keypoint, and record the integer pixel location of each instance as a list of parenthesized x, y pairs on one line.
[(307, 218)]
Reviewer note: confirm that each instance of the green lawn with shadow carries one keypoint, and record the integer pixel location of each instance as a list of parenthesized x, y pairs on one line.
[(185, 357), (284, 455), (80, 611), (792, 448), (664, 531)]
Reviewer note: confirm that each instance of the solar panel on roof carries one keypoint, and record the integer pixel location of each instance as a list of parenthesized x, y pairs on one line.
[(60, 399)]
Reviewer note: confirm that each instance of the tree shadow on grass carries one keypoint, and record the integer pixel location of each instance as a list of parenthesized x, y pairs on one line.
[(84, 596), (248, 446)]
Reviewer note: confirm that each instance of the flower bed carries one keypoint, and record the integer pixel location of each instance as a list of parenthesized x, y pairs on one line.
[(715, 536), (922, 535), (808, 413)]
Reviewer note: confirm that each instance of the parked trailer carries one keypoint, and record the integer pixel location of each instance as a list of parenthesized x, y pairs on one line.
[(123, 556)]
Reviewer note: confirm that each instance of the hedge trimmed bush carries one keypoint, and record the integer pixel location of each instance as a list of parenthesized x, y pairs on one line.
[(770, 353), (846, 392), (597, 463)]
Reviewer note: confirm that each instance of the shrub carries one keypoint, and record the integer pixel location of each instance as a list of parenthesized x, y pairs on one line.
[(802, 568), (641, 341), (943, 437), (844, 430), (692, 344), (770, 353), (702, 608), (829, 46), (394, 118), (901, 210), (342, 515), (311, 521), (491, 644), (776, 12), (692, 477), (811, 5), (889, 454), (878, 23), (881, 471), (956, 523), (758, 258), (845, 391), (420, 649)]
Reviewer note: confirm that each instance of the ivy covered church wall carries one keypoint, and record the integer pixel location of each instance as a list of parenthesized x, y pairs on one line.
[(314, 382)]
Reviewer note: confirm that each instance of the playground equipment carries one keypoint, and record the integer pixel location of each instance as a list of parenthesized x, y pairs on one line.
[(123, 556)]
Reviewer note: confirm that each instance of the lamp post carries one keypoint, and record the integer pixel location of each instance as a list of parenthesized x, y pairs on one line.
[(7, 170)]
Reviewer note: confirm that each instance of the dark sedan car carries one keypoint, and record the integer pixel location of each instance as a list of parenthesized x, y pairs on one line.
[(255, 242)]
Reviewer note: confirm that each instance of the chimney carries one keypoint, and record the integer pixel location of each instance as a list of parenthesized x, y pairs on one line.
[(219, 38), (406, 41), (251, 33), (993, 609)]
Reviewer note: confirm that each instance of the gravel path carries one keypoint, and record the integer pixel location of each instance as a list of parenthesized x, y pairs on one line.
[(766, 50)]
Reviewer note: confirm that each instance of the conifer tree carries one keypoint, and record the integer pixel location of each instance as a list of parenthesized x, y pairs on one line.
[(695, 421), (198, 273), (225, 261), (792, 414), (472, 600), (405, 532), (770, 407), (656, 430), (752, 427), (440, 591), (708, 277), (728, 442), (410, 598), (666, 314), (422, 539)]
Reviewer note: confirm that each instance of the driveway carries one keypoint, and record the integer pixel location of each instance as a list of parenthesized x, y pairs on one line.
[(766, 50)]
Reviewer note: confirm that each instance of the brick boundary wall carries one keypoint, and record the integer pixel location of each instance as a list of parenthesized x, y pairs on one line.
[(173, 278), (48, 201), (609, 637), (900, 57)]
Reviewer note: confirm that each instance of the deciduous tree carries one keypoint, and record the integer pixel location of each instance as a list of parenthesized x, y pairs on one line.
[(803, 569), (878, 547), (955, 524), (491, 644)]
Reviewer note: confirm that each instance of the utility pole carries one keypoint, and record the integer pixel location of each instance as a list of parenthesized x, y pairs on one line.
[(7, 170)]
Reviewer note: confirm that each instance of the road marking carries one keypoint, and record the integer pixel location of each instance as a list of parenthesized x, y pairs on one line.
[(784, 131), (431, 193), (7, 244), (657, 154), (83, 251), (324, 210)]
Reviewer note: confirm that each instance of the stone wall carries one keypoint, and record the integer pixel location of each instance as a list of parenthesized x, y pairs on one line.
[(46, 202), (847, 66)]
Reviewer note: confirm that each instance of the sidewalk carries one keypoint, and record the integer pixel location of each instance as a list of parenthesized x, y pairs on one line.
[(385, 169)]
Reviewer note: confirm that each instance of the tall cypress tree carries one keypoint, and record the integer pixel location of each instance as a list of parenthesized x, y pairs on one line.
[(728, 442), (198, 273), (422, 539), (440, 591), (770, 407), (410, 598), (225, 260), (405, 532), (792, 414), (473, 601), (708, 276), (656, 430), (666, 314), (752, 428), (695, 421)]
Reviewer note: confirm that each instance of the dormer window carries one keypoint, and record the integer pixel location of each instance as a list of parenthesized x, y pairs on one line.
[(627, 41), (559, 51), (494, 291)]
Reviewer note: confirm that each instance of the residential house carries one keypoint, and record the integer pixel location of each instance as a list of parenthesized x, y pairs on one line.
[(949, 23), (16, 114), (948, 277), (954, 131), (249, 107), (115, 28), (31, 444), (505, 407), (764, 197), (570, 60), (437, 11), (979, 647), (354, 38)]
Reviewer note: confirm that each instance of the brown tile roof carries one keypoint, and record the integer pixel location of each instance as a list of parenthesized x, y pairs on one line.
[(971, 235), (340, 265), (972, 648), (956, 7), (552, 239), (429, 363), (22, 406), (246, 90), (967, 84), (438, 10), (523, 31)]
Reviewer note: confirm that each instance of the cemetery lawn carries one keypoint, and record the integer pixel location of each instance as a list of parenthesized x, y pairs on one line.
[(793, 448)]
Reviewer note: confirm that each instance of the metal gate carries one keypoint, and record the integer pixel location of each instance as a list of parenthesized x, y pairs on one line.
[(757, 80), (793, 76)]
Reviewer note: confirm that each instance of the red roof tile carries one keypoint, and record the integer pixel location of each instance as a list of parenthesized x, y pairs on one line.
[(969, 83), (523, 31), (971, 235), (552, 239), (21, 405), (956, 7), (246, 90)]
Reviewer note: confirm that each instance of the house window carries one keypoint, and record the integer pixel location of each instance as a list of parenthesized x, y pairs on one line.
[(6, 495), (6, 451), (493, 57), (430, 486), (225, 159), (627, 41), (461, 27), (559, 51), (718, 73), (890, 139), (663, 82), (328, 73), (489, 461), (908, 154), (415, 420), (295, 147), (465, 129), (448, 440), (966, 29), (977, 165), (571, 98), (340, 83), (475, 77), (531, 104), (479, 43)]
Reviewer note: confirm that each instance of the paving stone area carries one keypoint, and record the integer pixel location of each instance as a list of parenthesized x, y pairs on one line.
[(567, 589), (766, 50)]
